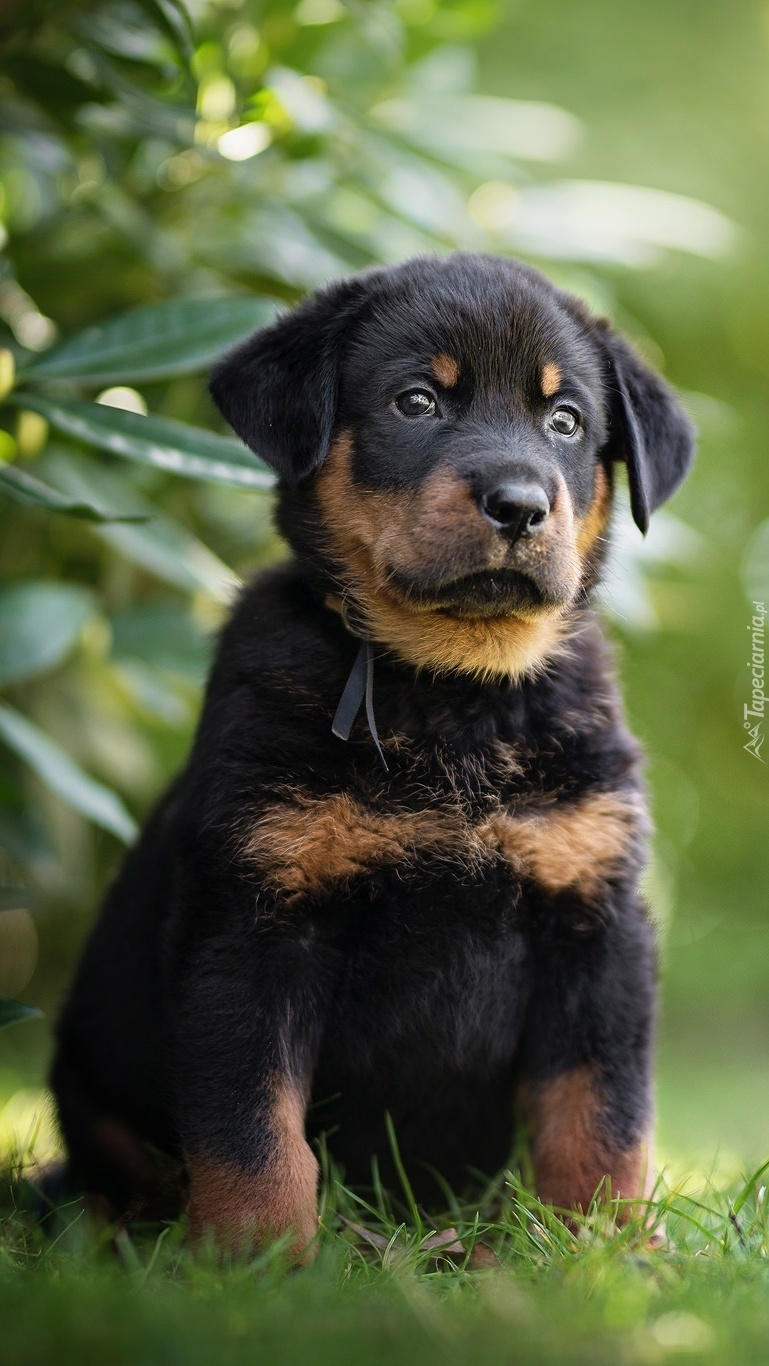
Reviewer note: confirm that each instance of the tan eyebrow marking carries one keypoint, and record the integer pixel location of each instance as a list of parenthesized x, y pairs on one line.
[(551, 379), (446, 370)]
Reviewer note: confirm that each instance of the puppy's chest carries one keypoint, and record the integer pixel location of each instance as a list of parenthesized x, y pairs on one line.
[(478, 821)]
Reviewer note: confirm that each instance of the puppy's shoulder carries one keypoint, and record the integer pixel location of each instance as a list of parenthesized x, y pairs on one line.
[(279, 630), (281, 663)]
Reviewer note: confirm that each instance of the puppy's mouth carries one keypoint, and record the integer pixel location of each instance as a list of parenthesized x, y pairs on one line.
[(485, 593)]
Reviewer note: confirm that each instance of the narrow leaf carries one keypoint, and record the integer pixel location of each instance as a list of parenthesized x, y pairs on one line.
[(39, 624), (63, 776), (26, 488), (12, 1011), (172, 338), (159, 546), (171, 16), (159, 441)]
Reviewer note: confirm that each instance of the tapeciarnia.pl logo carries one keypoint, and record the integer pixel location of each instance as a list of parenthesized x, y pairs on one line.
[(754, 711)]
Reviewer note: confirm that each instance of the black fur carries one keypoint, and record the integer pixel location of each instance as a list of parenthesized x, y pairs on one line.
[(653, 440), (279, 389), (433, 987)]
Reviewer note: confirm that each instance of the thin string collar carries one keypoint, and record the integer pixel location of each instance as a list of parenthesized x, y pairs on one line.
[(359, 686)]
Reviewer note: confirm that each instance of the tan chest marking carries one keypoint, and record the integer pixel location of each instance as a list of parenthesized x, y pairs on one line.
[(308, 844), (570, 848), (312, 843)]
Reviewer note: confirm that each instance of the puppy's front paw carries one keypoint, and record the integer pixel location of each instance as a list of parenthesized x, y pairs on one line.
[(244, 1212)]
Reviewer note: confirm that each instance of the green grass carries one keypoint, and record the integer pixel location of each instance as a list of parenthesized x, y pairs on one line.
[(521, 1288)]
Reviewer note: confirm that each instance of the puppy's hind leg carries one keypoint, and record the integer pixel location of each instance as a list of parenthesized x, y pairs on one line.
[(120, 1174)]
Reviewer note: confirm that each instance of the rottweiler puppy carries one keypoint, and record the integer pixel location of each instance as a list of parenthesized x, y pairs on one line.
[(399, 873)]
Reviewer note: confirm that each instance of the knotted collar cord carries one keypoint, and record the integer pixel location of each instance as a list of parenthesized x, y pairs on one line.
[(359, 686)]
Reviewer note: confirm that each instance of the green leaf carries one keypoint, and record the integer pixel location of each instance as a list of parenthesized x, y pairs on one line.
[(159, 546), (39, 624), (25, 488), (139, 111), (172, 17), (58, 90), (163, 634), (465, 130), (12, 1011), (174, 338), (63, 776), (159, 441), (12, 898)]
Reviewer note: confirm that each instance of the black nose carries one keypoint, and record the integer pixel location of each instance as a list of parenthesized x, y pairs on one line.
[(516, 509)]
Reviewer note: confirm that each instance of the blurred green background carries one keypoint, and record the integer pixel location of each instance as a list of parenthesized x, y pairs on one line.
[(238, 154)]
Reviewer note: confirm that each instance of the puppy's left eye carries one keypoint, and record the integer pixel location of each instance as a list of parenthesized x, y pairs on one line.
[(416, 403), (564, 421)]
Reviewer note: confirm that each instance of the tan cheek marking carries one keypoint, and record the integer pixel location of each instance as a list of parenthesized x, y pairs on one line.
[(365, 529), (313, 843), (376, 531), (245, 1210), (590, 527), (442, 523), (571, 1153), (574, 847), (446, 370), (355, 518), (551, 379), (553, 551)]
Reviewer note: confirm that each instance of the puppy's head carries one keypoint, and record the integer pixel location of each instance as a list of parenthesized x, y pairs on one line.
[(445, 433)]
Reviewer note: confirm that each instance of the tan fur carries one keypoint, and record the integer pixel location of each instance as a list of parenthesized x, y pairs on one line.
[(245, 1210), (571, 1153), (446, 370), (305, 844), (551, 379), (570, 847), (594, 523), (487, 647), (374, 534), (315, 842)]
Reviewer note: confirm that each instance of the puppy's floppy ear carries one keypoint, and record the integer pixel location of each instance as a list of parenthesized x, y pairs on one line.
[(278, 389), (649, 429)]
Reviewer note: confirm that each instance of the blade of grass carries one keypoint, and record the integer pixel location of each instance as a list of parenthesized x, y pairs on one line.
[(401, 1172)]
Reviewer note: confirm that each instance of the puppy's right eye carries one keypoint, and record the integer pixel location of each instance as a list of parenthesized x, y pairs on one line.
[(416, 403)]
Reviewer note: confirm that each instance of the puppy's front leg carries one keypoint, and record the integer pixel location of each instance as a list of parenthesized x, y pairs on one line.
[(249, 1199), (586, 1094), (246, 1023)]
